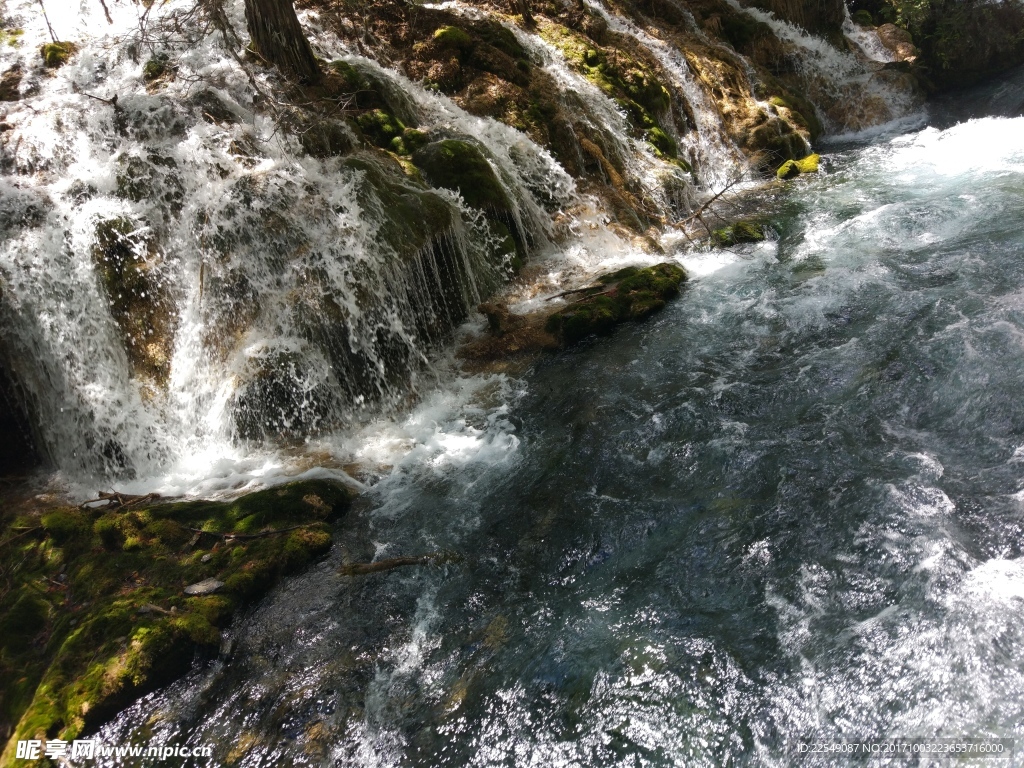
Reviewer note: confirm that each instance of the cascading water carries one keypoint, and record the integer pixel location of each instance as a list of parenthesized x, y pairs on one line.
[(785, 510), (281, 294), (850, 94), (716, 156)]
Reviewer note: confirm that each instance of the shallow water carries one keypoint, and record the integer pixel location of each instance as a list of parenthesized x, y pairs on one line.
[(789, 508)]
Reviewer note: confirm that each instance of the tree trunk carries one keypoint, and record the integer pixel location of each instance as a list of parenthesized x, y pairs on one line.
[(277, 37)]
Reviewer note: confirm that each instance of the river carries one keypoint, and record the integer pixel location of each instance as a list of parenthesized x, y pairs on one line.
[(788, 509)]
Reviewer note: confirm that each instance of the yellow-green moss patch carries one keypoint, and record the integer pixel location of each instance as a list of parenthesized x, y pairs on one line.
[(93, 611)]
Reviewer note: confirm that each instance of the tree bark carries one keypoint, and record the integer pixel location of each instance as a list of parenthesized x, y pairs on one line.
[(277, 36)]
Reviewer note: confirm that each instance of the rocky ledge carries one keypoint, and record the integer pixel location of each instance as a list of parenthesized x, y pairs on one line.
[(101, 605)]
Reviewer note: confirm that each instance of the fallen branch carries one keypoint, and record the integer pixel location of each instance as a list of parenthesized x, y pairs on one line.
[(23, 533), (577, 290), (245, 536), (361, 569), (698, 215), (118, 500)]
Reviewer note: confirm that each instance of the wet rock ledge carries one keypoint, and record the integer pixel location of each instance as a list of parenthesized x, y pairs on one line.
[(99, 606)]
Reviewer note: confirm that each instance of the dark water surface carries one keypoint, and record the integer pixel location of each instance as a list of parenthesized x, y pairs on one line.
[(787, 509)]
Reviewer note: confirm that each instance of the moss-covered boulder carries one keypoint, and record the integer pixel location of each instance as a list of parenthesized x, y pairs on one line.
[(409, 216), (737, 233), (627, 294), (57, 54), (863, 18), (461, 166), (95, 610), (793, 168)]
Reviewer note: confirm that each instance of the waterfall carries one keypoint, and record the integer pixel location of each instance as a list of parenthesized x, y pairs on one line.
[(194, 277), (717, 157), (182, 279), (849, 93)]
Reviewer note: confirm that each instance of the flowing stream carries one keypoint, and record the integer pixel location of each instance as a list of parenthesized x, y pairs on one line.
[(786, 509)]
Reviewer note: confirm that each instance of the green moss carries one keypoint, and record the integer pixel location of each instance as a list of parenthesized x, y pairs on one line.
[(11, 37), (630, 294), (155, 68), (408, 215), (664, 144), (863, 18), (792, 168), (633, 85), (56, 55), (808, 164), (740, 232), (410, 140), (86, 627), (380, 127), (66, 525), (462, 167), (453, 37)]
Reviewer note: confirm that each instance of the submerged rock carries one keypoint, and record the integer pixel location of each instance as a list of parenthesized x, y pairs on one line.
[(898, 41)]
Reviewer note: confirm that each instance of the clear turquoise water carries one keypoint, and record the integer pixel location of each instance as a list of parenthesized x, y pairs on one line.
[(789, 508)]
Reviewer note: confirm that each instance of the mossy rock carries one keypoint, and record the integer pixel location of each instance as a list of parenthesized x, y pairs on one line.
[(56, 55), (410, 140), (631, 293), (408, 216), (735, 234), (156, 67), (863, 17), (379, 127), (85, 628), (462, 167), (453, 37), (664, 145), (793, 168)]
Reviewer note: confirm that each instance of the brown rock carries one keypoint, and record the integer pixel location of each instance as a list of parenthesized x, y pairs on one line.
[(898, 41), (9, 84)]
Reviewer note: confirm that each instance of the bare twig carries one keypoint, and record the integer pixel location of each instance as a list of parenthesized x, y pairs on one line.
[(245, 536), (23, 533), (106, 12), (47, 19)]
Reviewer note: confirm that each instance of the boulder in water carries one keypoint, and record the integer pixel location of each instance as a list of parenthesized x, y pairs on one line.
[(898, 41), (57, 54), (738, 233), (793, 168), (627, 294)]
